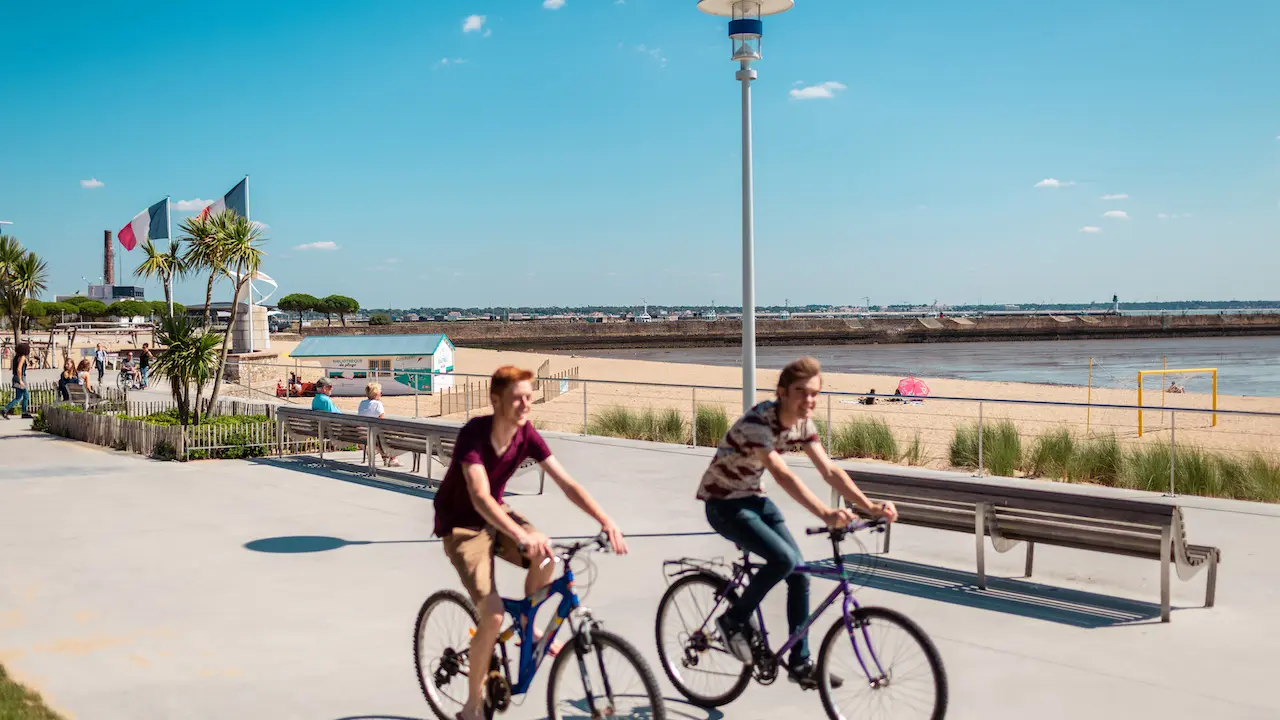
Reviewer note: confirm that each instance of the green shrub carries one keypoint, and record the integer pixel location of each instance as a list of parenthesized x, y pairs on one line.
[(1147, 468), (1051, 455), (164, 450), (119, 444), (914, 454), (1097, 459), (40, 423), (864, 438), (1001, 447), (655, 426), (713, 425)]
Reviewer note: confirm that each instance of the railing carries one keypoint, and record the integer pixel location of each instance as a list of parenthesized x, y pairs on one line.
[(1079, 441)]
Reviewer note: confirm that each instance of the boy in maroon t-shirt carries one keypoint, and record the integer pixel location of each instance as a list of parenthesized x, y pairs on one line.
[(475, 525)]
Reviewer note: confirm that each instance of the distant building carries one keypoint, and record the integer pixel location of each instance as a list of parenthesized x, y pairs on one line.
[(403, 364), (110, 293)]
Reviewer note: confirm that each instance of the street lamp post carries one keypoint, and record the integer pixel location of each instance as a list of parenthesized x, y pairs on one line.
[(745, 30)]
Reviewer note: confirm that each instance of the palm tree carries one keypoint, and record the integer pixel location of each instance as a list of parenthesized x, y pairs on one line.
[(189, 360), (239, 242), (204, 252), (163, 265), (23, 276)]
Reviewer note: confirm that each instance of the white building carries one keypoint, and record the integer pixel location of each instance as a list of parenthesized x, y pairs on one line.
[(400, 362)]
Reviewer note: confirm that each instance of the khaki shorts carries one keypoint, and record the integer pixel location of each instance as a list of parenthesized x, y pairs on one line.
[(472, 553)]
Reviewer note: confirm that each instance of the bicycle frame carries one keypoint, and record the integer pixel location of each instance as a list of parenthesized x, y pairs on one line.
[(522, 613), (843, 588)]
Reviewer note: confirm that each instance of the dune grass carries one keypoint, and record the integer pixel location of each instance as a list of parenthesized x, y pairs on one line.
[(18, 702), (1001, 447), (653, 425), (713, 424), (864, 438)]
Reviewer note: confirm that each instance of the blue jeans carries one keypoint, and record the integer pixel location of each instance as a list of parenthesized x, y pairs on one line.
[(19, 396), (146, 373), (757, 525)]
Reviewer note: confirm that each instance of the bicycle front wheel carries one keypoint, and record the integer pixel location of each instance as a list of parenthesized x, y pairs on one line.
[(603, 677), (441, 645), (890, 669)]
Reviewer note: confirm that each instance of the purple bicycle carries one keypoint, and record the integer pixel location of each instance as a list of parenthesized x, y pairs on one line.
[(873, 662)]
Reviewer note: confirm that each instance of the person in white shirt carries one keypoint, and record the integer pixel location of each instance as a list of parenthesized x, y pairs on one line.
[(371, 406), (100, 361)]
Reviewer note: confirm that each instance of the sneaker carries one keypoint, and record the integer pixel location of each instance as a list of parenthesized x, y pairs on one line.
[(28, 416), (4, 414), (805, 675), (735, 639)]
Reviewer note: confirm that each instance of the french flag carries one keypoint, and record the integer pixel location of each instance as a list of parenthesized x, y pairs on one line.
[(152, 223), (237, 200)]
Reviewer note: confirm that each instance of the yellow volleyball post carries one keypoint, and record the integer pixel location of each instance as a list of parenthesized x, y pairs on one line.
[(1177, 371), (1139, 403)]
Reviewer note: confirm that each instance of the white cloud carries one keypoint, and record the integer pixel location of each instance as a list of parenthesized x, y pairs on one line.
[(473, 23), (655, 53), (391, 261), (1117, 214), (553, 4), (323, 245), (1116, 196), (192, 205), (1163, 216), (821, 91), (1173, 216), (446, 62), (91, 183), (261, 226), (1055, 183), (1090, 229)]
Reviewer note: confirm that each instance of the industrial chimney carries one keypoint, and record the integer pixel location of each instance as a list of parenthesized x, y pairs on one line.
[(108, 259)]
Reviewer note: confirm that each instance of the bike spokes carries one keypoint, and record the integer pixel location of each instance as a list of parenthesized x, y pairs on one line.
[(889, 667)]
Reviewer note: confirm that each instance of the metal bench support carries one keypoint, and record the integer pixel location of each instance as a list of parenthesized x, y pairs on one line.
[(1166, 550), (1211, 584), (888, 531), (1031, 556), (980, 536)]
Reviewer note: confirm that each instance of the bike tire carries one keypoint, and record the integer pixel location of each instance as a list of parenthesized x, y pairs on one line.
[(881, 616), (602, 640), (672, 666), (435, 601)]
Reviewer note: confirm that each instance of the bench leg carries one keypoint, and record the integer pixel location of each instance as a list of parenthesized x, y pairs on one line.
[(542, 479), (980, 535), (1211, 584), (888, 532), (321, 444), (1166, 549), (1031, 556)]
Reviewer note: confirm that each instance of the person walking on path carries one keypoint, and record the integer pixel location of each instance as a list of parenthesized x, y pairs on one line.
[(21, 354), (100, 361), (372, 407), (144, 363)]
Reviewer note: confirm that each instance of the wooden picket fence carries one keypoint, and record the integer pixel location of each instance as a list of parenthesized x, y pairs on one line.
[(45, 394), (225, 406), (469, 397), (555, 385), (109, 431)]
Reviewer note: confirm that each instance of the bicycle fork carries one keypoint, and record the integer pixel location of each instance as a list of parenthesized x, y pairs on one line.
[(879, 678), (583, 645)]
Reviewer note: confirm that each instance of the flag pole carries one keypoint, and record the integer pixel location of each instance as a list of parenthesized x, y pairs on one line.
[(168, 216), (247, 217)]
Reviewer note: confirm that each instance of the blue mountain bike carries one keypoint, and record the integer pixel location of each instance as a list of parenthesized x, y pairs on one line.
[(596, 675), (873, 662)]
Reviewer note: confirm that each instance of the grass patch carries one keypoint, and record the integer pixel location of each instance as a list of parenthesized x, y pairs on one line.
[(1001, 447), (870, 438), (713, 425), (18, 702), (653, 425), (169, 418), (914, 454), (1097, 459), (1051, 455)]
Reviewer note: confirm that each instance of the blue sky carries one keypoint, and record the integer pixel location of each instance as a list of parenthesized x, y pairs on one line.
[(589, 153)]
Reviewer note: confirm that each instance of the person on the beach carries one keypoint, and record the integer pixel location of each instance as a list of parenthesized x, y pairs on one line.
[(736, 506), (1174, 387), (100, 361), (475, 525)]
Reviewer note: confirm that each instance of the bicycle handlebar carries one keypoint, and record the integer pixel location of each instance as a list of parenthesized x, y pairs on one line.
[(876, 525), (599, 542)]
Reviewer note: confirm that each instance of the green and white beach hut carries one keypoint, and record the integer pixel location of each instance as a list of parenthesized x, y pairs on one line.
[(399, 362)]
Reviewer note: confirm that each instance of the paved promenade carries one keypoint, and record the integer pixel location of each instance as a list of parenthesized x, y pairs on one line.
[(135, 589)]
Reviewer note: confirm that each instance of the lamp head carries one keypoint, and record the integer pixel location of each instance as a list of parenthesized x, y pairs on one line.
[(745, 27)]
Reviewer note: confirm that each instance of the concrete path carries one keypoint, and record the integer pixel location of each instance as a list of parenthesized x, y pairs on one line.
[(136, 589)]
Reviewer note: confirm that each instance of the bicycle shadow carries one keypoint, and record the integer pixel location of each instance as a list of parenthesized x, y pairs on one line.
[(295, 544), (678, 709), (1013, 597)]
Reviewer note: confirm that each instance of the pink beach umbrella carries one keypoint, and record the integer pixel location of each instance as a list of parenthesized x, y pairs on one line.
[(914, 387)]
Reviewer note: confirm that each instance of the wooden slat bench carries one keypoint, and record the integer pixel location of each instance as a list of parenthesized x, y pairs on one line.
[(1012, 512)]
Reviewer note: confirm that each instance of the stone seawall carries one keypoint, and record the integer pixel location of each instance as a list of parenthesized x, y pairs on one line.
[(567, 335)]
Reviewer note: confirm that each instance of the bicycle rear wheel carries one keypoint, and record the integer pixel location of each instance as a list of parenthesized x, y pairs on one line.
[(441, 643), (692, 652), (903, 676), (603, 677)]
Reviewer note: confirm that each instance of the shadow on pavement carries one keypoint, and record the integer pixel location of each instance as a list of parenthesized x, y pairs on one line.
[(1013, 597), (402, 483), (677, 709), (292, 544)]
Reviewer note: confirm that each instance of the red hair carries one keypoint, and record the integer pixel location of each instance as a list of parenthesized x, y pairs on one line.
[(506, 376)]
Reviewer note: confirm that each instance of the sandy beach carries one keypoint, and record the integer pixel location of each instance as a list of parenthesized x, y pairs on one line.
[(932, 420)]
